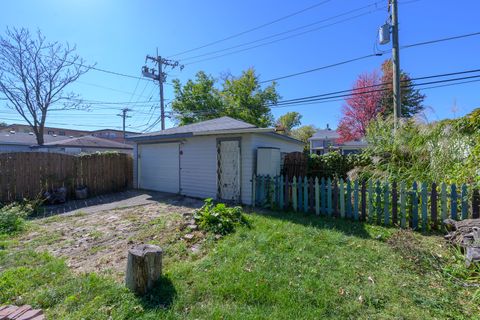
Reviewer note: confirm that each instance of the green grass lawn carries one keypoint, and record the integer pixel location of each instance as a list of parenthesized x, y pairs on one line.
[(286, 266)]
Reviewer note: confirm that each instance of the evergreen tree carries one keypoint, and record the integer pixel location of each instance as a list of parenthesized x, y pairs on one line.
[(412, 99)]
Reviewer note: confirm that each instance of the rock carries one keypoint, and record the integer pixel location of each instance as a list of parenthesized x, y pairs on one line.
[(189, 236), (472, 256), (192, 227), (195, 248)]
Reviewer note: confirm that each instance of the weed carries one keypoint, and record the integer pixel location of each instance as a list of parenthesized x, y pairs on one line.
[(219, 218)]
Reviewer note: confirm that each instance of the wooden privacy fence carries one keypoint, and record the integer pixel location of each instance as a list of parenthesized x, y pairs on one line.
[(418, 206), (27, 175)]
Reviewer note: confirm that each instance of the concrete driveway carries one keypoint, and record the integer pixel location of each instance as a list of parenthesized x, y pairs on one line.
[(119, 200)]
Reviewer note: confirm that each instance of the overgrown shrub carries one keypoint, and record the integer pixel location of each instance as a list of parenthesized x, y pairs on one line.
[(445, 151), (334, 165), (12, 217), (219, 218)]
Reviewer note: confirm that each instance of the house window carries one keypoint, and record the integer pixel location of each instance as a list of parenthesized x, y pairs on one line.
[(61, 133)]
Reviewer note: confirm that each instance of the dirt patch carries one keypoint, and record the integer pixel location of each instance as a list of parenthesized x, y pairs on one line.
[(427, 253), (99, 241)]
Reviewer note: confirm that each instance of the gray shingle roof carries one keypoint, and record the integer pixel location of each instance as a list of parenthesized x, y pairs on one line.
[(219, 124), (325, 134), (89, 142), (26, 139)]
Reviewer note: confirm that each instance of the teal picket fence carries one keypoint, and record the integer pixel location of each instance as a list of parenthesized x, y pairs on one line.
[(419, 206)]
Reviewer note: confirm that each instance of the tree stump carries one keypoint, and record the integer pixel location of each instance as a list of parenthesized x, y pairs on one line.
[(144, 268)]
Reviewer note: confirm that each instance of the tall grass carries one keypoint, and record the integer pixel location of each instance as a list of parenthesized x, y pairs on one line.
[(437, 152)]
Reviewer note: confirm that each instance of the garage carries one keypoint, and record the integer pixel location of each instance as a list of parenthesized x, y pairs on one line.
[(159, 165), (210, 159)]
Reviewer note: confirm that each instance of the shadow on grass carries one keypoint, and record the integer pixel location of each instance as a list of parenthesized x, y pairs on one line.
[(161, 296), (348, 227)]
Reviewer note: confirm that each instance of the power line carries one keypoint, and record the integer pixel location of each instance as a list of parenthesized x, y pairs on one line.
[(284, 38), (284, 32), (342, 99), (322, 68), (66, 124), (252, 29), (367, 56), (330, 96), (441, 40), (384, 84)]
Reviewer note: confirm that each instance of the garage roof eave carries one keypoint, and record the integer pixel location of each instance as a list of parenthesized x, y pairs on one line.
[(161, 137), (141, 138), (235, 131)]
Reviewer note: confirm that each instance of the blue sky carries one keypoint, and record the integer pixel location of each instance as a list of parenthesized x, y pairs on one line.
[(117, 34)]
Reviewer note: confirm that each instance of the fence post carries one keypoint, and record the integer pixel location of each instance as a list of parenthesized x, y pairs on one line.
[(311, 194), (355, 200), (254, 186), (329, 197), (433, 204), (342, 198), (394, 203), (349, 199), (294, 194), (371, 199), (379, 202), (261, 190), (464, 202), (305, 194), (335, 198), (386, 205), (475, 204), (414, 207), (424, 206), (299, 194), (272, 190), (364, 201), (444, 201), (323, 199), (287, 192), (281, 193), (403, 205), (453, 203)]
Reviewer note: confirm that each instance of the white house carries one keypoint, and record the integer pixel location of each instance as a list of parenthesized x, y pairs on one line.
[(326, 140), (27, 142), (210, 159)]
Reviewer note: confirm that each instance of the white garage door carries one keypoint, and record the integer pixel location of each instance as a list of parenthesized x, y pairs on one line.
[(159, 167)]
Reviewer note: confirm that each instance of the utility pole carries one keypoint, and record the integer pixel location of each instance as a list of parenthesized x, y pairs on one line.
[(397, 96), (124, 116), (160, 76)]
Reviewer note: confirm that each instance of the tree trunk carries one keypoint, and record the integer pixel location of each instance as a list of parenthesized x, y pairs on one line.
[(144, 268), (40, 139)]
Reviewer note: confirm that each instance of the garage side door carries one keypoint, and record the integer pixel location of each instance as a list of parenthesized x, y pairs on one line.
[(159, 167)]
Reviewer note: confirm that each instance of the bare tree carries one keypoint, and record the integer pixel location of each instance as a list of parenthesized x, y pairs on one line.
[(34, 74)]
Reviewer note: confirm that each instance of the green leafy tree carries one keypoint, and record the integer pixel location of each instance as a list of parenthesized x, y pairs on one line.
[(239, 97), (289, 121), (304, 133), (3, 124), (412, 99), (197, 100)]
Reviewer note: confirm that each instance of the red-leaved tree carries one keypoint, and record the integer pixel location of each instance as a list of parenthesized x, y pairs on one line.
[(361, 107)]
